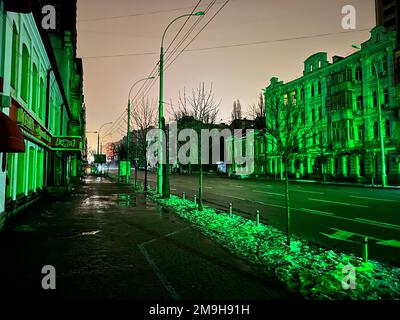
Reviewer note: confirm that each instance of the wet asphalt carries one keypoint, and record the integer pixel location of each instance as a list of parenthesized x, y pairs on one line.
[(106, 242)]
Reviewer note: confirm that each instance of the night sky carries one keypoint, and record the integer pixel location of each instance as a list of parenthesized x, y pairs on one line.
[(119, 42)]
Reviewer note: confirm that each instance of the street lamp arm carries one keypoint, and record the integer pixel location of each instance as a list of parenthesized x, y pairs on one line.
[(166, 29), (130, 91), (103, 126)]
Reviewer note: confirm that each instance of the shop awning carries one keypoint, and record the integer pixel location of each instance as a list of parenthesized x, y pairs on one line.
[(11, 137)]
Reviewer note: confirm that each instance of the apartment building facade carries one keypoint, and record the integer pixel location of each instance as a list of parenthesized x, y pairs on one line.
[(39, 106), (340, 102)]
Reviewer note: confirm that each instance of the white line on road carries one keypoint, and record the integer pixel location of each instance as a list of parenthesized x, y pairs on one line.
[(163, 279), (341, 203), (270, 205), (377, 199), (317, 212), (304, 191), (271, 193), (233, 197), (380, 224)]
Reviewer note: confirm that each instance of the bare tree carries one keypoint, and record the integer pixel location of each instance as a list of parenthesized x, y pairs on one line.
[(257, 110), (237, 110), (144, 118), (202, 107), (286, 129)]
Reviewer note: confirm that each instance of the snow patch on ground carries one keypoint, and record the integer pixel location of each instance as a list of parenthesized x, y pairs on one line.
[(315, 273)]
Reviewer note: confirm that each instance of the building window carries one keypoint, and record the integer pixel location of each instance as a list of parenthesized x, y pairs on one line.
[(294, 98), (312, 90), (320, 113), (14, 57), (336, 131), (285, 99), (386, 93), (359, 74), (387, 129), (35, 89), (360, 103), (313, 115), (319, 88), (375, 97), (302, 94), (361, 133), (376, 130), (42, 105), (25, 74), (384, 65), (351, 130)]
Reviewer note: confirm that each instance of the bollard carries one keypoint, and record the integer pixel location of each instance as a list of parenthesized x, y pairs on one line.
[(195, 199), (258, 218), (365, 249), (230, 210), (183, 196)]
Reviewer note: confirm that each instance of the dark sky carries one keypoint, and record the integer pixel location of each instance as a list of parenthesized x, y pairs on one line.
[(112, 33)]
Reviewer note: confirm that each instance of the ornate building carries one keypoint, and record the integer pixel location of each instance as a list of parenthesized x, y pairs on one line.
[(340, 102), (42, 113)]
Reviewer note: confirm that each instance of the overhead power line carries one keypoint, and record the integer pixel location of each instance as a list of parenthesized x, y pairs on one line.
[(137, 14), (241, 44)]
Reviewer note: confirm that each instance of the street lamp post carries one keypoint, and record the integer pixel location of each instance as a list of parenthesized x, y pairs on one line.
[(161, 104), (128, 135), (98, 136), (380, 122)]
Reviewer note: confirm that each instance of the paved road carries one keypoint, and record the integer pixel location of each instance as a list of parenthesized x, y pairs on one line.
[(320, 212), (107, 243)]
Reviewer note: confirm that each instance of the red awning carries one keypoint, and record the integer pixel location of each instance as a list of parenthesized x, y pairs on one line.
[(11, 137)]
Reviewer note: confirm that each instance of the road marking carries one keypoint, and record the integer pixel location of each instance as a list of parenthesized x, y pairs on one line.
[(233, 197), (367, 198), (209, 187), (358, 234), (380, 224), (163, 279), (323, 213), (342, 203), (270, 205), (271, 193), (315, 192), (390, 243)]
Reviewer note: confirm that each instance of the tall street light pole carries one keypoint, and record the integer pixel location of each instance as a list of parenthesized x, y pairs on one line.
[(161, 104), (380, 122), (128, 135), (98, 136)]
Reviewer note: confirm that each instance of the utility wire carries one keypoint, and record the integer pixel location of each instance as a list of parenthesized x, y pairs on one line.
[(242, 44), (148, 85), (136, 14), (151, 84)]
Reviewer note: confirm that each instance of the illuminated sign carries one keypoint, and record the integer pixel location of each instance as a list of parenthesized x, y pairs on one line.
[(66, 143)]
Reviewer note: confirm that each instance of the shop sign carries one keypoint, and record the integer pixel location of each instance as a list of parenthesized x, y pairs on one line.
[(66, 143)]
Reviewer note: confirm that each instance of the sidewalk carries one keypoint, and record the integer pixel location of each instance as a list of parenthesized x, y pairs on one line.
[(107, 242)]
